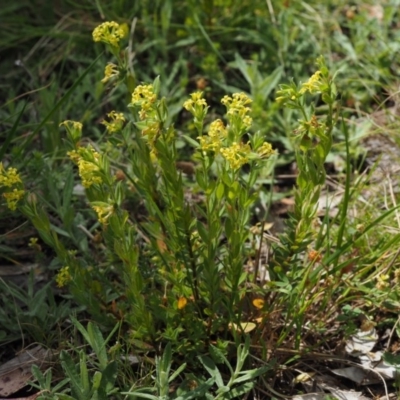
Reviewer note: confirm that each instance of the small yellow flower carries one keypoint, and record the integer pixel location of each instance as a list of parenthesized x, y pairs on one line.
[(103, 211), (13, 197), (110, 71), (237, 104), (74, 156), (236, 155), (10, 177), (247, 121), (382, 282), (313, 85), (265, 150), (33, 243), (88, 172), (217, 130), (109, 32), (88, 161), (144, 97), (63, 277), (216, 135), (196, 103), (72, 124), (238, 112), (117, 122)]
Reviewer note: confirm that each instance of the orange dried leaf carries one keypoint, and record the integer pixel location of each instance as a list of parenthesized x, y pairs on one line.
[(182, 301), (258, 303), (162, 247)]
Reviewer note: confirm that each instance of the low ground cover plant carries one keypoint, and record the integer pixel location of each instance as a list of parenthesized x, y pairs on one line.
[(165, 256)]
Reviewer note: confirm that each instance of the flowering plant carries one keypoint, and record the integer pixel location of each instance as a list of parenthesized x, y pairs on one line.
[(176, 270), (180, 267)]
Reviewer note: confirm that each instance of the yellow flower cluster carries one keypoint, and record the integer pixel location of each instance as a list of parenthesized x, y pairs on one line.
[(110, 71), (33, 243), (313, 85), (144, 97), (63, 277), (237, 107), (224, 140), (287, 93), (88, 161), (116, 123), (313, 126), (382, 282), (216, 134), (8, 179), (109, 32), (74, 129), (265, 150), (236, 155), (103, 211), (196, 103), (13, 198), (72, 125)]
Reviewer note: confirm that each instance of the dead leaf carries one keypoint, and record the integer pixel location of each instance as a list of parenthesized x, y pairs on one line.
[(303, 377), (15, 374), (33, 397), (311, 396), (375, 11), (362, 342), (182, 301), (245, 327), (355, 374), (258, 303)]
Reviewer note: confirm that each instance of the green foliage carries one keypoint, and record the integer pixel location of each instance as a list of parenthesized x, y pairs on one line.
[(240, 381), (82, 383), (33, 312)]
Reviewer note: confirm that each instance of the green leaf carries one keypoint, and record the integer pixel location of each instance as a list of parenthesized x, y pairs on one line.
[(85, 385), (199, 392), (212, 369), (82, 330), (177, 372), (252, 374), (392, 359), (204, 234), (239, 391), (109, 377), (63, 396), (194, 143), (96, 380), (98, 344), (69, 368), (220, 191), (67, 193), (141, 395), (156, 84), (218, 356), (269, 83)]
